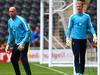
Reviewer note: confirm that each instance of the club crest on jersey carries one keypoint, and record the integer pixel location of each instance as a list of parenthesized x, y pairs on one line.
[(14, 27)]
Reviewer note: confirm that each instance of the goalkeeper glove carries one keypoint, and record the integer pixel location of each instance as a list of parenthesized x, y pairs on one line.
[(21, 47), (94, 38), (6, 49), (67, 43)]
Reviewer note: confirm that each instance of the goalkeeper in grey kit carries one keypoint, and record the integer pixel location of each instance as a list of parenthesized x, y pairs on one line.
[(18, 30)]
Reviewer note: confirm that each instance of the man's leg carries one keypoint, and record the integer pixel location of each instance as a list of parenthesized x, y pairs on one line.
[(82, 56), (14, 59), (24, 60), (75, 48)]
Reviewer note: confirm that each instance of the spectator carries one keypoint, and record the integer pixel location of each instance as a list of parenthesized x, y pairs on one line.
[(35, 37)]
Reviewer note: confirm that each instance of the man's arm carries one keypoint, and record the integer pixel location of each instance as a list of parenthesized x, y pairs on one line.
[(70, 25), (92, 30), (27, 33), (27, 30), (10, 36), (90, 26)]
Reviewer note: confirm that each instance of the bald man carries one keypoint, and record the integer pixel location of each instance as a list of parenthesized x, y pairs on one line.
[(78, 25), (19, 31)]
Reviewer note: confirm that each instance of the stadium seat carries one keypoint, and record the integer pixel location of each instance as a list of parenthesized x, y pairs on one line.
[(19, 1), (10, 1), (26, 6), (28, 1)]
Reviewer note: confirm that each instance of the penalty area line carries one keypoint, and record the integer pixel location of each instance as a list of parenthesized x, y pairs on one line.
[(50, 69)]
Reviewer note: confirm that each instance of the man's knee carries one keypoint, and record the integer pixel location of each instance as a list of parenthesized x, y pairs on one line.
[(13, 59), (24, 58)]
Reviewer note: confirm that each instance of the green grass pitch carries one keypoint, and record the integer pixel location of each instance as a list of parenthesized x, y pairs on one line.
[(40, 69)]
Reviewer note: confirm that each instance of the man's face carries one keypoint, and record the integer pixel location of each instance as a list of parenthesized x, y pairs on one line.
[(37, 29), (79, 6), (12, 12)]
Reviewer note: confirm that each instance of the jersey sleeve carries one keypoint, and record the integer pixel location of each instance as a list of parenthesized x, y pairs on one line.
[(70, 25), (27, 31), (10, 36), (90, 26)]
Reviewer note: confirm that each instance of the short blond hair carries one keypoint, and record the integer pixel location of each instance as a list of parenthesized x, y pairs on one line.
[(79, 2)]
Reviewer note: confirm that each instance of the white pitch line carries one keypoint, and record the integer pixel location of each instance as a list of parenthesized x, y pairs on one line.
[(51, 69), (32, 72)]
